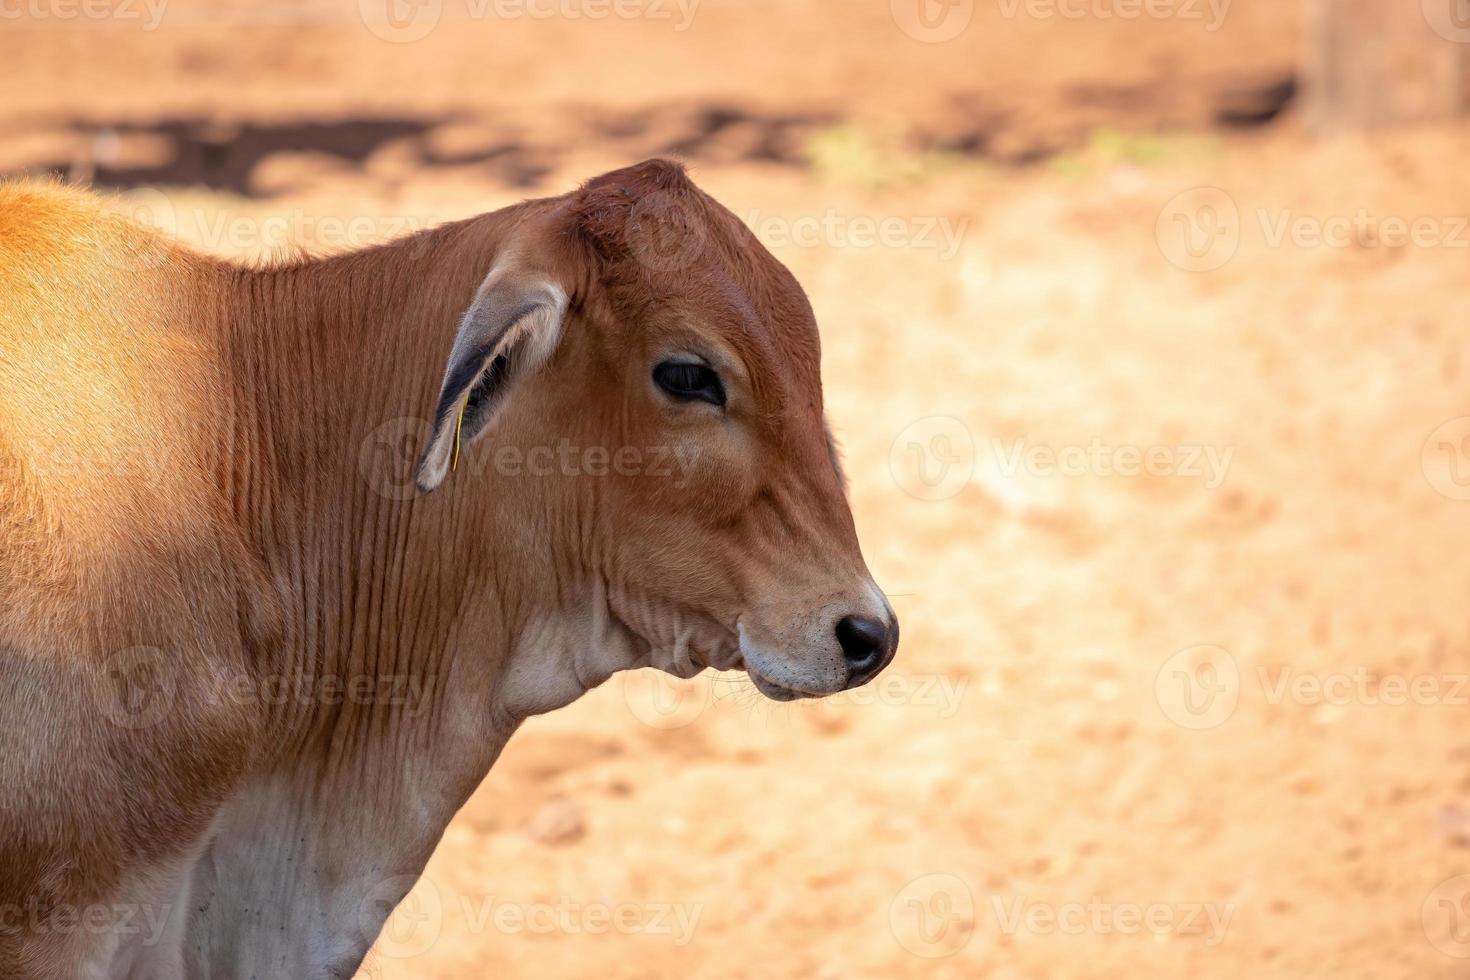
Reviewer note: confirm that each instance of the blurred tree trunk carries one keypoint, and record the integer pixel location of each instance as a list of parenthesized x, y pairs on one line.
[(1375, 62)]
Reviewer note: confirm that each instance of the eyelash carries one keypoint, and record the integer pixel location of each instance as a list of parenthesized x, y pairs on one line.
[(690, 382)]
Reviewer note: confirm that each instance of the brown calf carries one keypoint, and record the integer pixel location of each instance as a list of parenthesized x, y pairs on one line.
[(249, 671)]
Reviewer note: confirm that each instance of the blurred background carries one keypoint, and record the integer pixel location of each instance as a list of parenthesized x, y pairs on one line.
[(1145, 336)]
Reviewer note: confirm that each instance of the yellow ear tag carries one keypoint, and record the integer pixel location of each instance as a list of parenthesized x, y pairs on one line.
[(458, 428)]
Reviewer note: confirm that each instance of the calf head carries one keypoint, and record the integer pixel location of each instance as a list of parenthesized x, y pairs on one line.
[(664, 368)]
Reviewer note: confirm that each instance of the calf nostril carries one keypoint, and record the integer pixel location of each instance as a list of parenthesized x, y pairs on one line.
[(863, 641)]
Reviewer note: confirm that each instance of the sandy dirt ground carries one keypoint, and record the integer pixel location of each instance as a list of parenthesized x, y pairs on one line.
[(1154, 410)]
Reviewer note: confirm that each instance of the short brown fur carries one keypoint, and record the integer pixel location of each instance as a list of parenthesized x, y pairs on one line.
[(193, 498)]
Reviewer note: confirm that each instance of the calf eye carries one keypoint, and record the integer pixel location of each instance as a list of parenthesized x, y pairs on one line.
[(690, 382)]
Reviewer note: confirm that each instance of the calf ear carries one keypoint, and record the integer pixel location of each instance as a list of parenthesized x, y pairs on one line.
[(510, 330)]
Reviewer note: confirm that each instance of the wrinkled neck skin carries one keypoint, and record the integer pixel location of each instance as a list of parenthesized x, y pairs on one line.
[(408, 636)]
